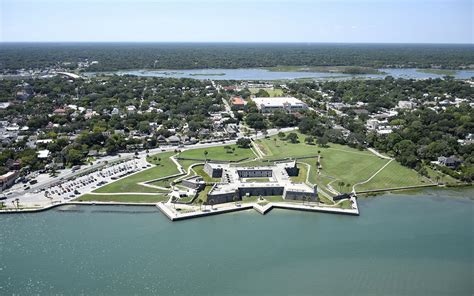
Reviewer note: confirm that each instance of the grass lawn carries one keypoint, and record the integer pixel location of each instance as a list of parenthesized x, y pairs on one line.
[(325, 200), (203, 194), (395, 175), (302, 174), (257, 180), (443, 178), (276, 92), (129, 184), (187, 163), (345, 204), (219, 153), (348, 167), (123, 198), (275, 148)]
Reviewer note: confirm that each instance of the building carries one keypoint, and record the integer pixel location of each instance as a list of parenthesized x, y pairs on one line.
[(272, 104), (450, 162), (194, 182), (406, 105), (42, 154), (237, 182), (238, 103), (8, 179)]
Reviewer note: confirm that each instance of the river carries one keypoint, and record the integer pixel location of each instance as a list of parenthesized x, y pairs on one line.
[(263, 74), (402, 244)]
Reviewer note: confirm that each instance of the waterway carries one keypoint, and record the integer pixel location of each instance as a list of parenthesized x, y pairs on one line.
[(263, 74), (402, 244)]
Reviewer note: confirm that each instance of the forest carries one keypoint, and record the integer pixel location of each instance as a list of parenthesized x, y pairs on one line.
[(120, 56)]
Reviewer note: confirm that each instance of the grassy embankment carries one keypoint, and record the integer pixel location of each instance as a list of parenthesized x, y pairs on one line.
[(446, 72), (123, 198), (326, 69)]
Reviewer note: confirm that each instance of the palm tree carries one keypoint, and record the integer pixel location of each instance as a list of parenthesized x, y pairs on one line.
[(205, 154), (200, 204), (212, 204), (235, 199), (17, 200)]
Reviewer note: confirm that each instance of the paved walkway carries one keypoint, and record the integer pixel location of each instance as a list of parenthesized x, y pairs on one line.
[(378, 153), (181, 212)]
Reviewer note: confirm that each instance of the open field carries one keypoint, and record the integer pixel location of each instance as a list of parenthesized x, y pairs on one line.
[(276, 148), (276, 92), (163, 168), (394, 175), (123, 198), (342, 164), (219, 153)]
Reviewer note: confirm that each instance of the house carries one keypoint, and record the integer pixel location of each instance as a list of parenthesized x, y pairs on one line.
[(115, 111), (131, 109), (59, 112), (450, 162), (406, 105), (174, 140), (42, 154), (161, 139), (238, 103)]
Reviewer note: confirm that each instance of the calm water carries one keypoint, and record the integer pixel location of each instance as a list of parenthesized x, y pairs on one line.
[(400, 245), (262, 74)]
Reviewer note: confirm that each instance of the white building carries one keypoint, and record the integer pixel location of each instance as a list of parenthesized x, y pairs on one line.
[(272, 104), (406, 105)]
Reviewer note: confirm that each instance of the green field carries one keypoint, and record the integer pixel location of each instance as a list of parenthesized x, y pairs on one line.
[(276, 148), (395, 175), (123, 198), (218, 153), (276, 92), (163, 168), (447, 72), (342, 164), (257, 180)]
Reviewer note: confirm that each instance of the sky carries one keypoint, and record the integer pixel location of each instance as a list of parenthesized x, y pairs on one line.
[(346, 21)]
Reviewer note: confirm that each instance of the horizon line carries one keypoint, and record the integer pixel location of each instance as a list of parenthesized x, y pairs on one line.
[(250, 42)]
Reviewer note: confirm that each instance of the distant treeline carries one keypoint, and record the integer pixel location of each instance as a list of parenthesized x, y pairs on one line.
[(116, 56)]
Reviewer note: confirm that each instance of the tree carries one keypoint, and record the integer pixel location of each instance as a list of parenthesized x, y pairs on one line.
[(341, 185), (200, 204), (309, 140), (323, 141), (244, 142), (292, 137), (205, 154)]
